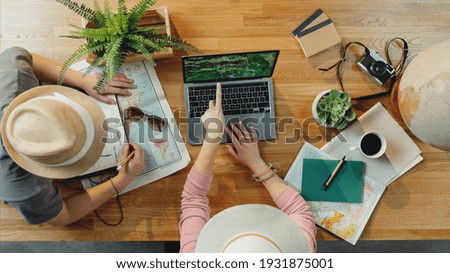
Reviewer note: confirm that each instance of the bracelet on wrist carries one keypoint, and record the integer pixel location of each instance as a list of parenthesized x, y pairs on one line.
[(115, 187), (267, 178), (259, 178), (266, 170)]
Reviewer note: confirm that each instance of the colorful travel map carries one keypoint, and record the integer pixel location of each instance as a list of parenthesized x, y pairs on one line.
[(159, 147), (164, 148)]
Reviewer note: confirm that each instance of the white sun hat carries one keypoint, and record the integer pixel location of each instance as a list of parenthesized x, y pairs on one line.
[(251, 229)]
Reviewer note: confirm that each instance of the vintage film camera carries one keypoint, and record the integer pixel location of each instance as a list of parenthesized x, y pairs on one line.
[(376, 67)]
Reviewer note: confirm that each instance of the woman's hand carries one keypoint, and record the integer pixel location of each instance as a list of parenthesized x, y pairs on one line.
[(134, 167), (245, 147), (213, 119), (119, 85)]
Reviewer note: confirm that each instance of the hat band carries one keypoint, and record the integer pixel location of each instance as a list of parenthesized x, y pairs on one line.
[(87, 122), (251, 242)]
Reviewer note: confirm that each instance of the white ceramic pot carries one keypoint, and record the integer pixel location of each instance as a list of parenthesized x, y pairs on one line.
[(314, 109)]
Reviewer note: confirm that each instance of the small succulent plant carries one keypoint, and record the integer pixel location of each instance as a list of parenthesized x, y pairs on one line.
[(335, 109)]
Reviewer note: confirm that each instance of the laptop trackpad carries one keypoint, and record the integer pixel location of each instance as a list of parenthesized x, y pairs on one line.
[(263, 124)]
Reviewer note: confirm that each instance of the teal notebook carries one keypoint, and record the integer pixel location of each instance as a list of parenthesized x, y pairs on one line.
[(347, 185)]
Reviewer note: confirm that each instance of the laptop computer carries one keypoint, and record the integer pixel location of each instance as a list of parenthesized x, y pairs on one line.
[(247, 91)]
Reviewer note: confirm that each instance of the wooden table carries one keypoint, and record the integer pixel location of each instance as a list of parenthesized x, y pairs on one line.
[(415, 207)]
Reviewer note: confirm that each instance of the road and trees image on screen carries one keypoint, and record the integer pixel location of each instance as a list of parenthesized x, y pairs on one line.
[(230, 66)]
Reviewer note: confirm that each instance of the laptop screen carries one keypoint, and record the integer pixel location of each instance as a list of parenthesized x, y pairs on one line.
[(225, 67)]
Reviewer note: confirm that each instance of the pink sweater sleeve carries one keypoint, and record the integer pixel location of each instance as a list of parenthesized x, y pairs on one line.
[(195, 211), (291, 203)]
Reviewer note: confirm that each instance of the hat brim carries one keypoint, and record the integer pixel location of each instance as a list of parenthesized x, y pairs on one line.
[(251, 219), (59, 172)]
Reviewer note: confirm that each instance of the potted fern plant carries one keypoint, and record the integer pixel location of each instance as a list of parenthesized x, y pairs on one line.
[(111, 37), (333, 109)]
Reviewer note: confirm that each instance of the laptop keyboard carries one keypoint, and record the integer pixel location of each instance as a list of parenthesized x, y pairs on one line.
[(237, 99)]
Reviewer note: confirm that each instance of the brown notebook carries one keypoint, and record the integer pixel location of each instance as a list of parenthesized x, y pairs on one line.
[(316, 33)]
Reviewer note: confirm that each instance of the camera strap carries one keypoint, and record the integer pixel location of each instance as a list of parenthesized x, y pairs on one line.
[(393, 79)]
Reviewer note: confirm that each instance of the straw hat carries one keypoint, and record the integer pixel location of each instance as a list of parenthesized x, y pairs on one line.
[(251, 228), (53, 131)]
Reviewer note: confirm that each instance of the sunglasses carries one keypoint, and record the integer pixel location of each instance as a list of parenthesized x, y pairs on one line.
[(136, 114)]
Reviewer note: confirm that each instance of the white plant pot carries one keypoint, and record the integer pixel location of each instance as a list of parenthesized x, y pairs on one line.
[(314, 109)]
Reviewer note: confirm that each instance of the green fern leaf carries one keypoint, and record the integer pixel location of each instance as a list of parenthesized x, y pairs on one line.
[(122, 16), (99, 18), (149, 30), (96, 62), (82, 51), (97, 34), (174, 42), (73, 37), (99, 87), (112, 56), (138, 47), (122, 7), (81, 10), (109, 19), (148, 43), (138, 11)]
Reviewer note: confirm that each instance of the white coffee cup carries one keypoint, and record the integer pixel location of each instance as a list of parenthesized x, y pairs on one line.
[(371, 144)]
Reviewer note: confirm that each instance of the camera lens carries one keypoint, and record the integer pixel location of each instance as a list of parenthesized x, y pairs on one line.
[(378, 68)]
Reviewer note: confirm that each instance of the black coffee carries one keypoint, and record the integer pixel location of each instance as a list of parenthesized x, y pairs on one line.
[(371, 144)]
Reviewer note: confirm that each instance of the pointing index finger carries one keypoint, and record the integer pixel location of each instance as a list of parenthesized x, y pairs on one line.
[(219, 96)]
